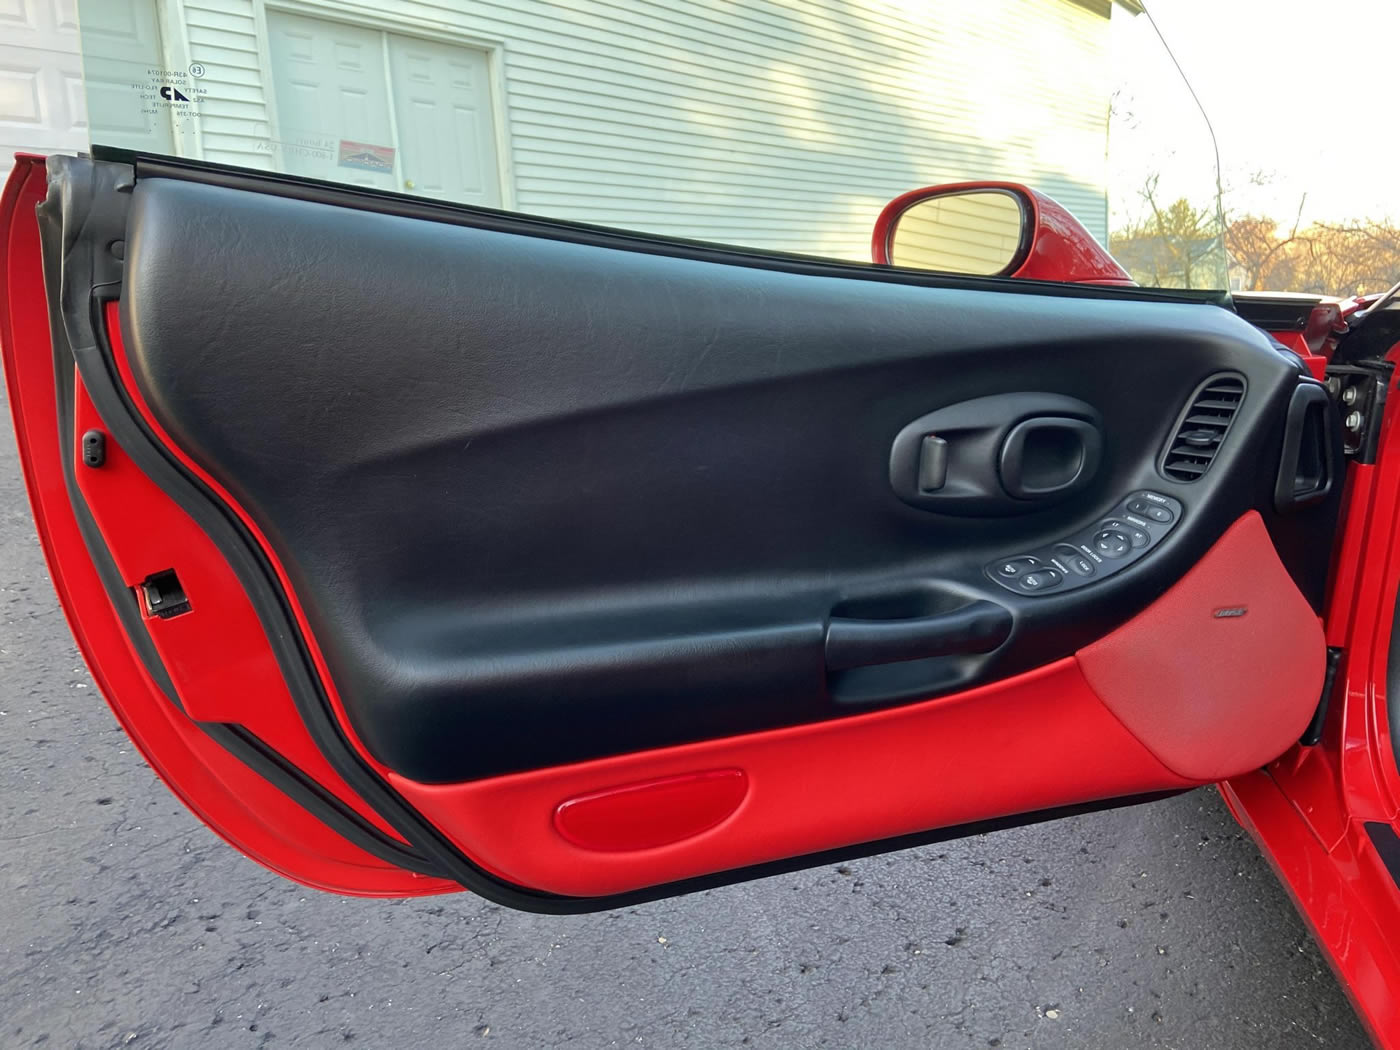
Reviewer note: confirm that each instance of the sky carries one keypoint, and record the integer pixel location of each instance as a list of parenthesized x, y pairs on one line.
[(1297, 93)]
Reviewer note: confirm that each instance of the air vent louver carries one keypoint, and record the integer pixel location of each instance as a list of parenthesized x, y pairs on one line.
[(1202, 428)]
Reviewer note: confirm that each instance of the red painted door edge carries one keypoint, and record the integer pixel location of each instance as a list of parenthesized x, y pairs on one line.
[(237, 804)]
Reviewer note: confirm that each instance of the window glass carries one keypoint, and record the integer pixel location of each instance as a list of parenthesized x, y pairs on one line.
[(775, 124)]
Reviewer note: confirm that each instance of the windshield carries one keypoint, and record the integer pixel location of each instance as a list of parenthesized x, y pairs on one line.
[(782, 125)]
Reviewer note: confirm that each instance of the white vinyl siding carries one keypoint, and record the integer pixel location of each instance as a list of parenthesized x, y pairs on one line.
[(784, 124), (233, 122)]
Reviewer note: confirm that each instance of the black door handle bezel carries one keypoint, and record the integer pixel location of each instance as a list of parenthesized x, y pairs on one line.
[(973, 468)]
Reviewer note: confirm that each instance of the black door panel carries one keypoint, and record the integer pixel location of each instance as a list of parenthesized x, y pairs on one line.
[(545, 500)]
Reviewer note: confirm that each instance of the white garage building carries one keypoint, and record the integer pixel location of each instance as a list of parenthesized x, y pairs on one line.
[(779, 123)]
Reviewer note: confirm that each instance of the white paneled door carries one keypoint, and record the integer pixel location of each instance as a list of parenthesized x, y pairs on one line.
[(42, 102), (380, 109)]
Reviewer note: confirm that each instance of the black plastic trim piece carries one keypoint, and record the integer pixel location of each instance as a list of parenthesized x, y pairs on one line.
[(94, 449), (1387, 845), (1313, 733), (1311, 440), (1276, 313)]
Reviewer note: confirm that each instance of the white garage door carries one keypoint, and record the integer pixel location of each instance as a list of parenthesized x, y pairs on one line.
[(42, 106), (380, 109)]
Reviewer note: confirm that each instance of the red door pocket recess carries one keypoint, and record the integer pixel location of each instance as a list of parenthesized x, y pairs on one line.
[(652, 813)]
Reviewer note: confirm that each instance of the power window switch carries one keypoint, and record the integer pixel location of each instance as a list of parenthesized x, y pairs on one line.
[(1040, 580)]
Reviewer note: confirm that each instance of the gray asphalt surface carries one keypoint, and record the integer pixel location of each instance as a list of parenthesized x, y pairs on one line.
[(125, 923)]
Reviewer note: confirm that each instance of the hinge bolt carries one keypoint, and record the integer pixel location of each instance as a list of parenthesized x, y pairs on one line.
[(1355, 420)]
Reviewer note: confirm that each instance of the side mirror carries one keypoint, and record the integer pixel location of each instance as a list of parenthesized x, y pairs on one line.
[(991, 229)]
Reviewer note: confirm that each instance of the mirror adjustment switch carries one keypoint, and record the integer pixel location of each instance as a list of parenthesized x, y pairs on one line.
[(1112, 543), (1136, 536)]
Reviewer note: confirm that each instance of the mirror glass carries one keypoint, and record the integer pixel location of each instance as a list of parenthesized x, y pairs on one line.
[(977, 232)]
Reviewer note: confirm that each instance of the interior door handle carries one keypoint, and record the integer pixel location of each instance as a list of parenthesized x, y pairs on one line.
[(1003, 454), (978, 627)]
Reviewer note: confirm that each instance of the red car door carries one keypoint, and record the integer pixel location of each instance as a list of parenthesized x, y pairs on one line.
[(421, 547)]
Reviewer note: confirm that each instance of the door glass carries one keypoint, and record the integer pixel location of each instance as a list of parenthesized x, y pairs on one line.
[(771, 125), (120, 38)]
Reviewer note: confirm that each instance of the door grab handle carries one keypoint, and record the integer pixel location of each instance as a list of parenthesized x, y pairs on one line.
[(978, 627)]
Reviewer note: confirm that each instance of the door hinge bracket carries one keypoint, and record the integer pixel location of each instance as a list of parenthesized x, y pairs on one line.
[(1359, 391)]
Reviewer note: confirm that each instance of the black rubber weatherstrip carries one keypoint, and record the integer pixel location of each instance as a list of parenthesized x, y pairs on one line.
[(236, 740), (79, 185), (319, 802)]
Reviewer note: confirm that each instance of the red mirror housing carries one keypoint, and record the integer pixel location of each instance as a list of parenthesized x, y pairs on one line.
[(1061, 249)]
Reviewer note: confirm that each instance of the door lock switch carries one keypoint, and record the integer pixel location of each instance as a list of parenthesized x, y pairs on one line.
[(1078, 564)]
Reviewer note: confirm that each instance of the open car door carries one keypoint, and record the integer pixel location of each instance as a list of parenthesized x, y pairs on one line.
[(421, 547)]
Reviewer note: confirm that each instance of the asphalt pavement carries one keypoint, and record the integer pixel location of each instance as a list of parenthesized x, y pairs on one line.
[(125, 923)]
